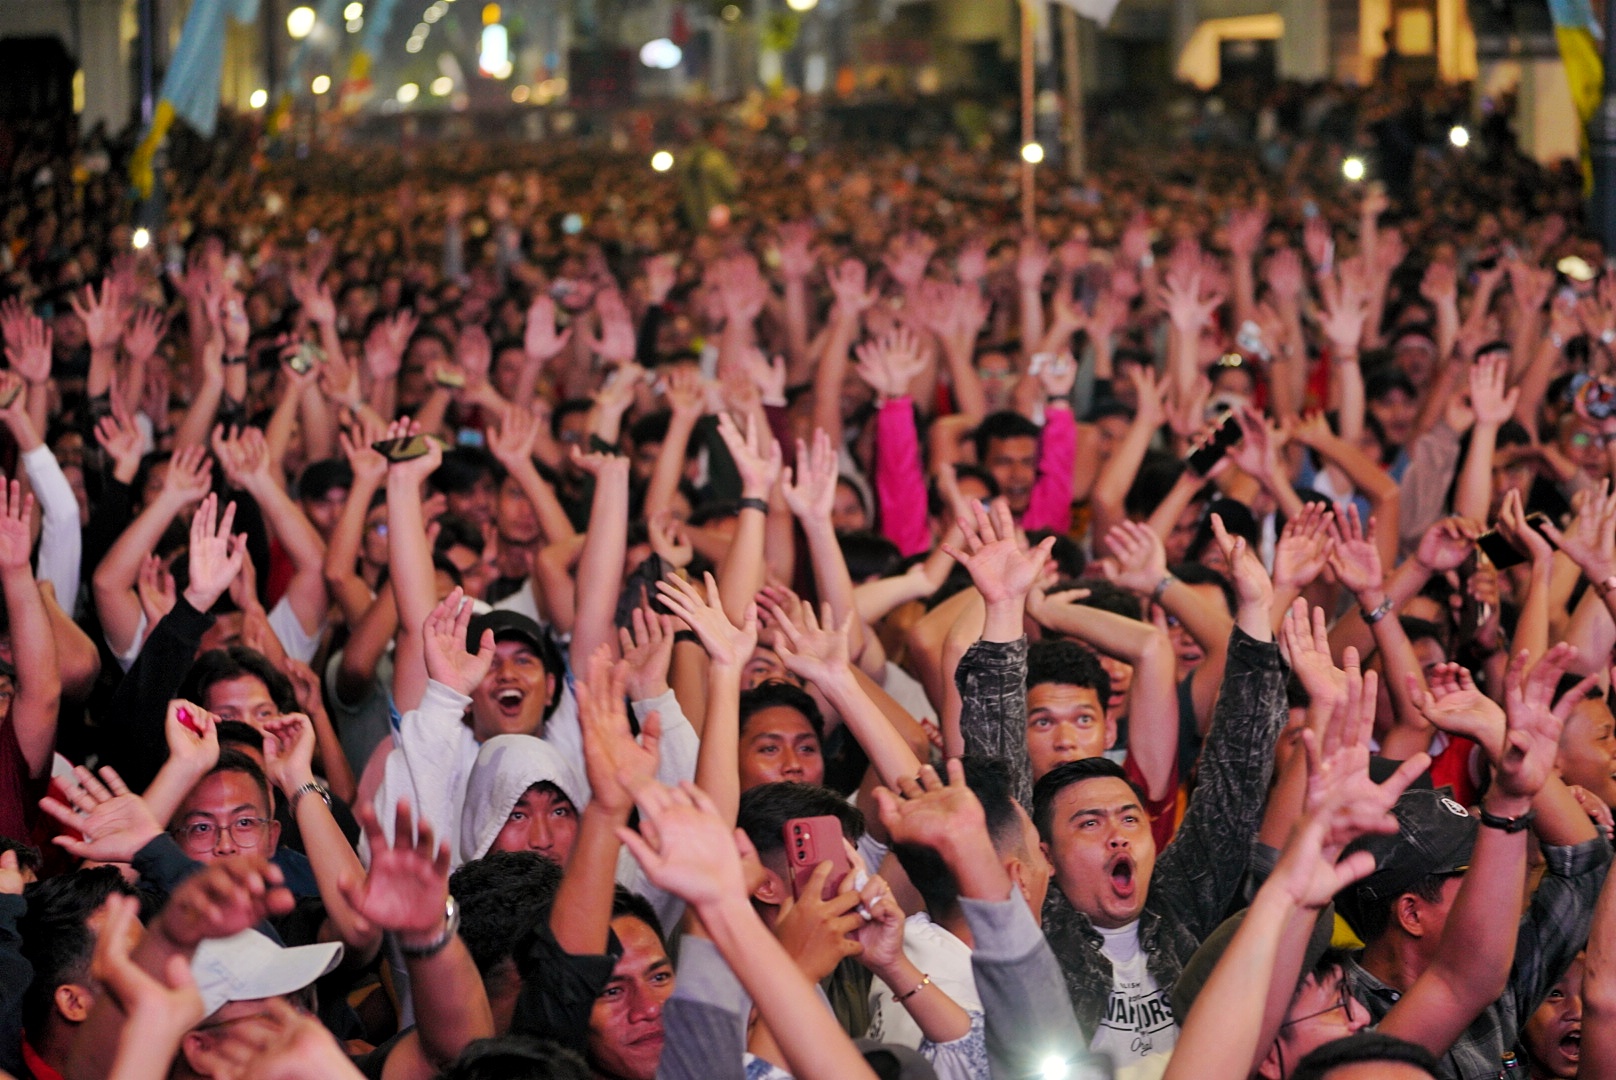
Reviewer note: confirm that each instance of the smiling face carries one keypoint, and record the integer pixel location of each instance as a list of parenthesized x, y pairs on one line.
[(1102, 850), (778, 743), (1588, 749), (511, 698), (625, 1024), (543, 820), (1553, 1034), (1065, 723), (1013, 463)]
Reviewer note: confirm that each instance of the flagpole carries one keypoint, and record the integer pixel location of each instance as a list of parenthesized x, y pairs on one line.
[(1028, 130), (1076, 150)]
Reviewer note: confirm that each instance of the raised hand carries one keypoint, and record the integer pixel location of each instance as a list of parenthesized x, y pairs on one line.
[(849, 282), (1355, 560), (617, 766), (386, 343), (408, 884), (948, 818), (215, 556), (614, 342), (686, 848), (475, 353), (1512, 523), (1446, 544), (120, 438), (1534, 721), (1032, 262), (155, 588), (1453, 704), (358, 446), (1283, 274), (512, 442), (647, 652), (891, 363), (1306, 647), (1139, 559), (103, 316), (769, 376), (16, 511), (1251, 581), (111, 822), (161, 1008), (686, 396), (758, 463), (447, 660), (192, 735), (1058, 375), (794, 240), (417, 469), (1590, 541), (1491, 397), (288, 751), (28, 345), (816, 651), (810, 488), (668, 539), (727, 645), (243, 453), (993, 554), (1303, 548), (223, 898)]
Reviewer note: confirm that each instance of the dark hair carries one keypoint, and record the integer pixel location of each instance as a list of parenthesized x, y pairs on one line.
[(1155, 478), (765, 809), (1360, 1047), (238, 733), (1063, 776), (650, 428), (236, 662), (516, 1057), (566, 409), (502, 896), (232, 760), (869, 555), (462, 468), (1003, 425), (1195, 573), (934, 497), (456, 529), (319, 477), (1105, 596), (1237, 519), (989, 779), (1067, 663), (1069, 559), (55, 937), (635, 906), (781, 694), (1422, 629)]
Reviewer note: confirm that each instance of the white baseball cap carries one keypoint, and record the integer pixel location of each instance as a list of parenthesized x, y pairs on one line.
[(249, 966)]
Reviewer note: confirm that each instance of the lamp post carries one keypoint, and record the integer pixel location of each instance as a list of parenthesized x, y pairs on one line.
[(1602, 143)]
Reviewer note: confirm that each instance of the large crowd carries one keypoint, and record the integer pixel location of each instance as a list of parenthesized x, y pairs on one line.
[(495, 611)]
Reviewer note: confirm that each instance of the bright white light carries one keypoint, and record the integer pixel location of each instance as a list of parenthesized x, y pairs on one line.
[(1054, 1068), (521, 92), (141, 239), (355, 25), (421, 30), (496, 51), (442, 85), (353, 10), (802, 5), (321, 84), (661, 54), (414, 45), (1353, 169), (431, 15), (408, 93), (730, 13), (1459, 136), (259, 98), (661, 161), (1032, 153), (299, 22)]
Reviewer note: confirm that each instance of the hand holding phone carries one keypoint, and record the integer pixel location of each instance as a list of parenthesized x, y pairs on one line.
[(1209, 453), (405, 448), (811, 841)]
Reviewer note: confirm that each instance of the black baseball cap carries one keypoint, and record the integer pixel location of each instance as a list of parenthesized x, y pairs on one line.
[(507, 626), (1435, 835), (1196, 973)]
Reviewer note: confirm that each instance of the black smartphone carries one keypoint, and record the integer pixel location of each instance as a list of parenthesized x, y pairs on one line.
[(8, 396), (1503, 553), (1209, 453), (406, 448)]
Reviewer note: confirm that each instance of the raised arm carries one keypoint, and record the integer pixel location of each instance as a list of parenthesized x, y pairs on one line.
[(600, 565), (353, 596), (810, 490), (759, 463), (39, 678), (512, 445), (409, 562)]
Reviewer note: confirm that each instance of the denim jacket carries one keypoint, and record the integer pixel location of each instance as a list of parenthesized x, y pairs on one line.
[(1199, 873)]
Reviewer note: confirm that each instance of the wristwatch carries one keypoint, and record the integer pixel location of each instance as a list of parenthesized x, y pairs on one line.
[(316, 787), (451, 923), (1508, 824)]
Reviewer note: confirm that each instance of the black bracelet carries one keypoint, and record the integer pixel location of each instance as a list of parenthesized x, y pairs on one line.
[(232, 361), (686, 635), (1508, 824), (760, 505)]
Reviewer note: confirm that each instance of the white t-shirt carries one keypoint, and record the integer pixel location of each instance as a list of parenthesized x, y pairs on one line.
[(1138, 1020)]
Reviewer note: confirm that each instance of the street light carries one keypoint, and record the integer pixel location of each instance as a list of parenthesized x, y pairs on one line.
[(1459, 136), (1032, 153), (321, 84), (802, 5), (300, 22), (661, 161), (1353, 168), (259, 98), (141, 239), (408, 93)]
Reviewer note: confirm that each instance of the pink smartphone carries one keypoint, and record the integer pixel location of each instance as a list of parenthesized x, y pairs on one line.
[(811, 841)]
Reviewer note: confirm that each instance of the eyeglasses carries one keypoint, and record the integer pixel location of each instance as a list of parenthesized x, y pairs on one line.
[(1343, 1002), (201, 837), (1582, 440)]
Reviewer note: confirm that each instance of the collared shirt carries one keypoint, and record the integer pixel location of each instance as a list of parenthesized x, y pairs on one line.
[(1552, 931)]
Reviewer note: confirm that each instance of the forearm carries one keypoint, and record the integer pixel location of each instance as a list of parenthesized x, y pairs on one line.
[(970, 400), (741, 574), (900, 485), (1111, 486), (333, 861), (1030, 300), (600, 566), (553, 520), (581, 917), (103, 359), (342, 578), (451, 1005), (61, 541), (718, 760), (893, 757), (1050, 504), (1532, 625), (38, 677), (198, 422), (1172, 507), (1473, 496), (670, 465), (831, 372)]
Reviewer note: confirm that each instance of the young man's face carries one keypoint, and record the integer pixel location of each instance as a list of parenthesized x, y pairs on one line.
[(1013, 463), (1553, 1034), (1322, 1012), (543, 820), (476, 503), (226, 817), (1065, 723), (244, 698), (778, 743), (1588, 749), (1102, 850), (511, 698), (324, 509), (625, 1024)]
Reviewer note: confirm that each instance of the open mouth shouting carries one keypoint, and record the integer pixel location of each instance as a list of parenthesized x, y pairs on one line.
[(1123, 880)]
